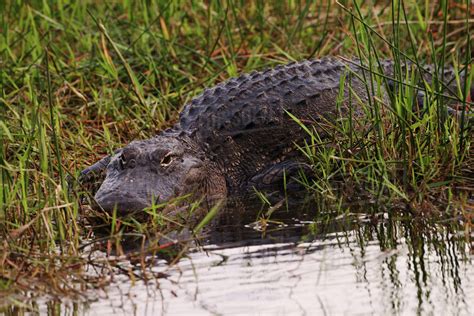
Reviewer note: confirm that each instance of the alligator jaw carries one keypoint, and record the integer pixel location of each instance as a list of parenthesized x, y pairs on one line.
[(120, 203)]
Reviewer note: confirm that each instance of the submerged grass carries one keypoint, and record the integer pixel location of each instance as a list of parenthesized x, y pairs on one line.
[(79, 80)]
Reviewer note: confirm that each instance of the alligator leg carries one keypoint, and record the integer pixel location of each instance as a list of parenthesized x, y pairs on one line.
[(281, 176)]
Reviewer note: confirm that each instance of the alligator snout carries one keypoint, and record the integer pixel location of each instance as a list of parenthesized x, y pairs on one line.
[(121, 202), (129, 194)]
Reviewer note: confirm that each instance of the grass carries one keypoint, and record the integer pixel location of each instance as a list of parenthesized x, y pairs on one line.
[(78, 81)]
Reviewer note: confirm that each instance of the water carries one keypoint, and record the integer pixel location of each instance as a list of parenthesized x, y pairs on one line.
[(351, 264)]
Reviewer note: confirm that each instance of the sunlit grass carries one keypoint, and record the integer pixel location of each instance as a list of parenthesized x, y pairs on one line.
[(80, 80)]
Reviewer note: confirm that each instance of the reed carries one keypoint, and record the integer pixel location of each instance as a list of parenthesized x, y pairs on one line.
[(79, 80)]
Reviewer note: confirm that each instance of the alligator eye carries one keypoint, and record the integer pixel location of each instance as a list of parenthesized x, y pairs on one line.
[(166, 160)]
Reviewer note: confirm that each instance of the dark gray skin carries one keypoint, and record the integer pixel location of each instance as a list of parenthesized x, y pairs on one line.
[(237, 135)]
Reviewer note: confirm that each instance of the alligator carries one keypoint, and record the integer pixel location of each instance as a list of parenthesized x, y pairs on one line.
[(242, 133)]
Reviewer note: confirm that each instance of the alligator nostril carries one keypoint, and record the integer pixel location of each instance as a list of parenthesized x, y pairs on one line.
[(121, 162), (127, 157)]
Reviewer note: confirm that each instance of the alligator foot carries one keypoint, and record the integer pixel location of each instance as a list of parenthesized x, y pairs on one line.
[(283, 176)]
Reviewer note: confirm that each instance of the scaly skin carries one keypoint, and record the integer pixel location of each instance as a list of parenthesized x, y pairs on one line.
[(238, 134)]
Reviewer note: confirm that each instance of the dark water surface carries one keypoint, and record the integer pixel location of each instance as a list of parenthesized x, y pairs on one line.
[(336, 264)]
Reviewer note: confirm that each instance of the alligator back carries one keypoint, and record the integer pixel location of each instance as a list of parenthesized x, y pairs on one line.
[(243, 124)]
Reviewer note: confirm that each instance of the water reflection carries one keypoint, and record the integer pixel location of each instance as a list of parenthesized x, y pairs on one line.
[(305, 260)]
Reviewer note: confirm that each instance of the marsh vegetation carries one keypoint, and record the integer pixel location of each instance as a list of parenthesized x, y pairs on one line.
[(78, 80)]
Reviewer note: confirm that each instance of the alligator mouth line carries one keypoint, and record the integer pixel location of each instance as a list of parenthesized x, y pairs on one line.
[(123, 203)]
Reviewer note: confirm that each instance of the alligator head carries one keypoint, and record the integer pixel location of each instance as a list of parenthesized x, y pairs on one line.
[(155, 170)]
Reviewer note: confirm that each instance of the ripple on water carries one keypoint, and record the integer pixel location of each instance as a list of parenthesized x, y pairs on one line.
[(322, 277)]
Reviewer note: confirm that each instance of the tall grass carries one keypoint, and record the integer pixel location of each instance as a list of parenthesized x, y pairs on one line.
[(405, 153), (79, 80)]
